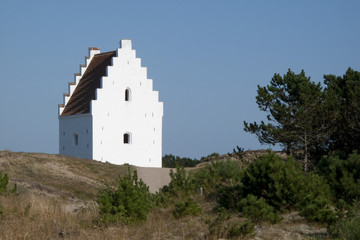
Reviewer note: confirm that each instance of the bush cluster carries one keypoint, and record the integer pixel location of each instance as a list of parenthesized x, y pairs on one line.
[(129, 203), (343, 175), (218, 173), (223, 227), (185, 208), (271, 185), (171, 161), (268, 187), (348, 227), (257, 209), (4, 181)]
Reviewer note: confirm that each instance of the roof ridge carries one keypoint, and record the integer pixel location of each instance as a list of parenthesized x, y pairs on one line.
[(104, 53)]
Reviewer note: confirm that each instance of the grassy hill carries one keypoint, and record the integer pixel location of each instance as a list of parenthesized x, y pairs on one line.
[(58, 175), (56, 200)]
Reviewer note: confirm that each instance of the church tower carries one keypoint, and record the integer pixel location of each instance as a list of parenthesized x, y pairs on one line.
[(111, 112)]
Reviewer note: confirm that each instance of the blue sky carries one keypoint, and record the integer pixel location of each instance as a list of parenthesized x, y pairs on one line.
[(206, 59)]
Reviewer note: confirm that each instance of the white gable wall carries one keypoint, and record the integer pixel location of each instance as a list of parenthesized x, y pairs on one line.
[(113, 116), (81, 125)]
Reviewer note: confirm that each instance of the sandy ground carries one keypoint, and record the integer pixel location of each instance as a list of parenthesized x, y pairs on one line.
[(155, 178)]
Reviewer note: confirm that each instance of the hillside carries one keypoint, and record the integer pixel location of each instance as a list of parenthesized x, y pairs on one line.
[(56, 200), (58, 176)]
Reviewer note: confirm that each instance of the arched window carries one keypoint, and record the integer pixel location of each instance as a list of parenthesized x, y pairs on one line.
[(127, 95), (76, 139), (127, 138)]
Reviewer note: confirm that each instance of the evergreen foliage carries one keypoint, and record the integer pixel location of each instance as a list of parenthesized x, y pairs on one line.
[(129, 203), (229, 196), (343, 175), (257, 209), (343, 110), (185, 208), (4, 181), (180, 182), (306, 119), (222, 226), (273, 179), (212, 155), (347, 228), (271, 185), (241, 229), (181, 186), (171, 161), (296, 119), (218, 173), (238, 152), (314, 199)]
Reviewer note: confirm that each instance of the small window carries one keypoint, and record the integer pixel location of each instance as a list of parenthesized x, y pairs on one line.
[(127, 138), (76, 139), (128, 95)]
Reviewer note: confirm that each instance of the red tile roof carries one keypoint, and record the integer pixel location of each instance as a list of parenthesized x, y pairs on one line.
[(79, 101)]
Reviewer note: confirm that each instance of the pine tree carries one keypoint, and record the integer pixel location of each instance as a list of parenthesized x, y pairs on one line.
[(294, 107), (343, 110)]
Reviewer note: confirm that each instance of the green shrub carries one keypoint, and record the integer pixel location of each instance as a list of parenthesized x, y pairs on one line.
[(240, 229), (181, 184), (218, 227), (229, 196), (257, 210), (343, 175), (4, 181), (275, 180), (212, 155), (185, 208), (314, 199), (347, 228), (129, 203), (180, 187), (224, 227), (180, 181), (281, 184), (171, 161), (218, 173)]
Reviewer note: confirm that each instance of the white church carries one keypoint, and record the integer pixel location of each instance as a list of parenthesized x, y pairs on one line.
[(111, 112)]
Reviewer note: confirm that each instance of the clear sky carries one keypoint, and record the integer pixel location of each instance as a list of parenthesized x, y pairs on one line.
[(206, 59)]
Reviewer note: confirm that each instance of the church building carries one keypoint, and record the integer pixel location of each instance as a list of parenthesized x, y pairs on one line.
[(111, 112)]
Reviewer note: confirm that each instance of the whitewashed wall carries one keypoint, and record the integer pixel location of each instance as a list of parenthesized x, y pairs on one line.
[(81, 125), (141, 116)]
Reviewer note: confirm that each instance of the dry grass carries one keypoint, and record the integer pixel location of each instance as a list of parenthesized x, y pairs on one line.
[(56, 200), (32, 216), (58, 175)]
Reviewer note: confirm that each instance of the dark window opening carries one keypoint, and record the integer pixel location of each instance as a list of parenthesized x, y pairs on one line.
[(127, 95), (127, 138), (76, 139)]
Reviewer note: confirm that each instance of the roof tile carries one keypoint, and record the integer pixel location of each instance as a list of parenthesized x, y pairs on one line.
[(79, 102)]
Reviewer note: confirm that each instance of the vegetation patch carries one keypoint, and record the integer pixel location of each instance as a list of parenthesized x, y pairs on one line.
[(129, 203), (186, 208)]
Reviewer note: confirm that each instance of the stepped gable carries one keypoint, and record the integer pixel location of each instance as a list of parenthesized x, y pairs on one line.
[(79, 101)]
